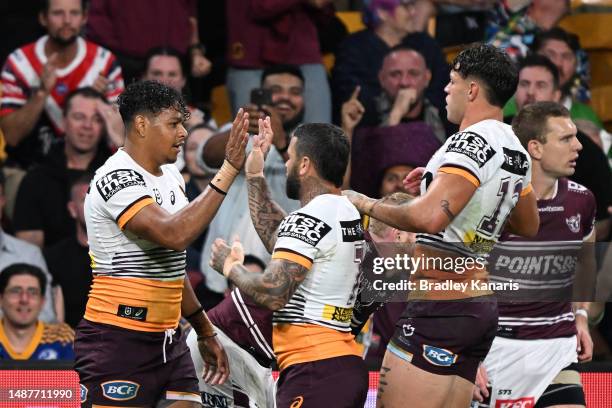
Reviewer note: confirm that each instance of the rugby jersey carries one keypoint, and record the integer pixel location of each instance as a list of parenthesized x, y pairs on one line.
[(137, 284), (326, 237), (50, 342), (544, 266)]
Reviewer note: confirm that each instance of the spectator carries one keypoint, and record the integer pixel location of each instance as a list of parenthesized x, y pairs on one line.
[(69, 261), (23, 336), (360, 57), (37, 78), (287, 86), (263, 33), (538, 82), (13, 251), (160, 22), (41, 215)]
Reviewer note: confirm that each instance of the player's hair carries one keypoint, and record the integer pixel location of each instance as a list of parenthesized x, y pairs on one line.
[(398, 198), (165, 51), (556, 33), (492, 68), (85, 92), (45, 4), (149, 97), (535, 60), (253, 260), (282, 69), (22, 269), (328, 148), (530, 122)]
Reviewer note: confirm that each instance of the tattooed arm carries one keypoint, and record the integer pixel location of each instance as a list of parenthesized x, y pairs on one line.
[(265, 213)]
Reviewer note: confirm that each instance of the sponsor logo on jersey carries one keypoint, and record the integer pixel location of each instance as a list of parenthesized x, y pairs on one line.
[(339, 314), (477, 243), (572, 185), (351, 231), (120, 390), (84, 391), (471, 145), (297, 402), (132, 312), (573, 223), (551, 208), (528, 402), (303, 227), (158, 197), (439, 356), (214, 400), (547, 264), (117, 180), (515, 162), (48, 354), (407, 329), (172, 198)]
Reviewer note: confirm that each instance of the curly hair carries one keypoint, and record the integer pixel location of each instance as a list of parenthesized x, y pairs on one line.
[(492, 67), (149, 97)]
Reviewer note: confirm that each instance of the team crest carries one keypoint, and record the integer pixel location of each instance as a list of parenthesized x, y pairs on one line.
[(573, 223)]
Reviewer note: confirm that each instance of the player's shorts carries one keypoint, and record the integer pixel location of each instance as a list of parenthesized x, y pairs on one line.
[(521, 370), (446, 337), (339, 382), (122, 367), (248, 381), (566, 389)]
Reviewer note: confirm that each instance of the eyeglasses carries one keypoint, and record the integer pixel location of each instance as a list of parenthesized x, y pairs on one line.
[(18, 291)]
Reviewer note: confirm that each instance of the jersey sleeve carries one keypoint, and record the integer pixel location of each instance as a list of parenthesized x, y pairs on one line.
[(527, 187), (14, 92), (301, 236), (115, 77), (121, 194), (468, 155), (590, 213)]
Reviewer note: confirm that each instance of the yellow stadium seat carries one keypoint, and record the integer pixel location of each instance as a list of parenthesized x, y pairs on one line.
[(593, 29), (601, 101), (352, 20), (601, 67), (2, 152), (221, 111)]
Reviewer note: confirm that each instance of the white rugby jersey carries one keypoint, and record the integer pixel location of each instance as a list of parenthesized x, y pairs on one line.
[(137, 284), (491, 157)]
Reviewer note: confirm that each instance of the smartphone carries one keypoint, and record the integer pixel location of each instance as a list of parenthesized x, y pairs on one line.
[(261, 96)]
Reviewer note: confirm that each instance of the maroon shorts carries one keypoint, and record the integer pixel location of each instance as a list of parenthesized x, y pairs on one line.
[(122, 367), (339, 382), (446, 337)]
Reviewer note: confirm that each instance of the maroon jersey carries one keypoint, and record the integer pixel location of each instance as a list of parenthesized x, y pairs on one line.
[(544, 266), (248, 324)]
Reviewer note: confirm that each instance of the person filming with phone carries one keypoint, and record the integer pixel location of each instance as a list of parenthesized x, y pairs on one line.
[(281, 97)]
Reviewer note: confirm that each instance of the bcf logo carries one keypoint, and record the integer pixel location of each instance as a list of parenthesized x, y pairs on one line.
[(120, 390), (439, 356), (528, 402)]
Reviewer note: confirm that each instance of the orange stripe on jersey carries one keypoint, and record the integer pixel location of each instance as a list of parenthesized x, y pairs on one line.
[(527, 190), (162, 300), (292, 256), (132, 209), (460, 172), (295, 344)]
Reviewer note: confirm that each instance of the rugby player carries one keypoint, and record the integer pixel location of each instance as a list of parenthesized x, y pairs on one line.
[(130, 350), (537, 341), (476, 183), (312, 279)]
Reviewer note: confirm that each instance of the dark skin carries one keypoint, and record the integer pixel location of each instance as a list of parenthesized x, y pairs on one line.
[(152, 141)]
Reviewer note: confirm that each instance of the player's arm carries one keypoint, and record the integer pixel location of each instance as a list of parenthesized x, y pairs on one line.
[(447, 195), (524, 220)]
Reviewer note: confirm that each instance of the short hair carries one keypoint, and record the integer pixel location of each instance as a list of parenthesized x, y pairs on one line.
[(85, 92), (149, 97), (282, 69), (22, 269), (492, 67), (536, 60), (398, 198), (328, 148), (556, 33), (531, 122), (253, 260), (402, 47), (165, 51), (46, 4)]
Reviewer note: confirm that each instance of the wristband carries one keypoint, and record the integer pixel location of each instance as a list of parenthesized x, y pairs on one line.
[(224, 178), (199, 310), (207, 337), (581, 312)]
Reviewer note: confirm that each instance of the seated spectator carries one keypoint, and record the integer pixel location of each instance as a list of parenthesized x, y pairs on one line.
[(23, 336), (38, 77), (13, 251), (69, 261), (287, 86), (41, 215), (538, 82), (360, 57), (264, 33)]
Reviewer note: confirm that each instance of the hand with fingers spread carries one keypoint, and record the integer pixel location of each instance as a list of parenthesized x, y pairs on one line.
[(280, 139), (352, 112), (412, 182), (235, 149), (223, 257), (48, 77), (254, 166), (216, 365)]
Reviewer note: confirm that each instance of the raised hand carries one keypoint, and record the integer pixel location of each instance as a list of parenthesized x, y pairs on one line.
[(412, 182), (352, 111), (48, 77), (235, 149), (403, 103), (101, 84), (261, 143)]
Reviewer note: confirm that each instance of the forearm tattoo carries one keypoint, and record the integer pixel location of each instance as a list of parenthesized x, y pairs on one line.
[(265, 213)]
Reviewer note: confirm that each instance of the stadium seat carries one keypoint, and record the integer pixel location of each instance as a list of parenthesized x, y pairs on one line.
[(601, 101), (352, 20), (221, 110)]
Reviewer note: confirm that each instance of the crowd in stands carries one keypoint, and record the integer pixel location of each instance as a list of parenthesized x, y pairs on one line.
[(384, 85)]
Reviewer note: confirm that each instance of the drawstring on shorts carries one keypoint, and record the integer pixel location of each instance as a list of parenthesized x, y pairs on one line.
[(167, 335)]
